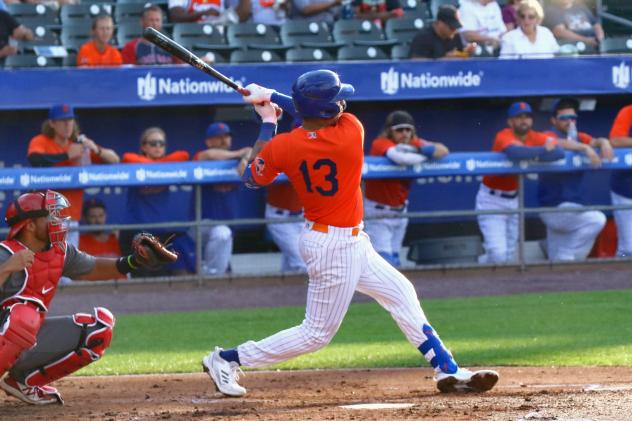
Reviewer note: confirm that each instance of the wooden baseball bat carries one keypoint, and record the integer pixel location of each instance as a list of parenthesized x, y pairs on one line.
[(177, 50)]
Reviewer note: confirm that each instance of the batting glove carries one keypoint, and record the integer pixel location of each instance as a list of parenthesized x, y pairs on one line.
[(258, 94), (267, 111)]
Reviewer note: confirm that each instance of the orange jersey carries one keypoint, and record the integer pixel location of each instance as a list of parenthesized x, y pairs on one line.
[(503, 140), (135, 158), (89, 55), (47, 145), (622, 125), (109, 248), (391, 192), (283, 196), (324, 166)]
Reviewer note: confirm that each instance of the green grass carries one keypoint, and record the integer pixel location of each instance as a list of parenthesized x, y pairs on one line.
[(579, 328)]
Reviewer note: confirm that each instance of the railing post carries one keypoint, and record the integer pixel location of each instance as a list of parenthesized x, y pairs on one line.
[(198, 232), (521, 223)]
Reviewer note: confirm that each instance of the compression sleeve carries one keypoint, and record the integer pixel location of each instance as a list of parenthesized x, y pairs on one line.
[(37, 159), (520, 153), (405, 155), (285, 102)]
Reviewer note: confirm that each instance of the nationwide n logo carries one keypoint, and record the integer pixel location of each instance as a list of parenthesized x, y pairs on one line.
[(470, 164), (198, 173), (628, 159), (84, 178), (389, 81), (147, 87), (621, 76), (141, 174), (25, 180)]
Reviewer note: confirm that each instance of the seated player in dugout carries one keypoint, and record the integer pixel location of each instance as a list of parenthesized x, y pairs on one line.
[(323, 159), (220, 201), (36, 350), (398, 141), (147, 204)]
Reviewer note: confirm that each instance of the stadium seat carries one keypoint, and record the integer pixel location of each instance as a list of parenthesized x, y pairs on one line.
[(295, 32), (307, 54), (254, 56), (128, 12), (70, 60), (74, 35), (416, 9), (580, 47), (189, 34), (29, 60), (43, 36), (436, 4), (127, 31), (616, 45), (214, 56), (356, 31), (404, 29), (400, 52), (356, 52), (485, 51), (82, 13), (253, 35), (21, 11)]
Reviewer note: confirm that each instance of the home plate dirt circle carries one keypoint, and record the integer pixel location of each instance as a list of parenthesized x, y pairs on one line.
[(378, 406), (522, 393)]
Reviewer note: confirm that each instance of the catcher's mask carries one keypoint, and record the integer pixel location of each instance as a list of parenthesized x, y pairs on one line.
[(28, 206)]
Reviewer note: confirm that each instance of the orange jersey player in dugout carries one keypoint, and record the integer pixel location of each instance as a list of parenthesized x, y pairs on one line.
[(329, 188)]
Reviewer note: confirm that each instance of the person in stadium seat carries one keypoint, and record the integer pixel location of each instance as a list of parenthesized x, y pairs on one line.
[(574, 22), (377, 11), (316, 10), (219, 201), (268, 12), (99, 51), (146, 204), (60, 144), (529, 39), (203, 11), (482, 22), (510, 14), (142, 52), (441, 39), (11, 29)]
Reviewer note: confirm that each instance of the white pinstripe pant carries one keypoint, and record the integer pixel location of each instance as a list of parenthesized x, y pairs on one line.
[(339, 264)]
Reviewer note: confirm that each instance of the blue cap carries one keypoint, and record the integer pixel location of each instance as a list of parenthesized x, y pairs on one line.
[(217, 129), (61, 112), (518, 108)]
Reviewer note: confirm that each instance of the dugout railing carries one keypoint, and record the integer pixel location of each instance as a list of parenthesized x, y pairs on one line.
[(200, 173)]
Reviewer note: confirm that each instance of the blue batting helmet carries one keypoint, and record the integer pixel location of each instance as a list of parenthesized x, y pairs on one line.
[(316, 94)]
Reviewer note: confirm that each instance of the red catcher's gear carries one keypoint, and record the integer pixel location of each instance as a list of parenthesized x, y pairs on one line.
[(19, 324), (40, 282), (35, 205), (89, 350)]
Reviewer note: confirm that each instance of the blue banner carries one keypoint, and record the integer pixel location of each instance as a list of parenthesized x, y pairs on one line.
[(203, 172), (139, 86)]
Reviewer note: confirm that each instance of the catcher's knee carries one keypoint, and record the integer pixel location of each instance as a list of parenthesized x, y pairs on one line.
[(19, 325), (95, 337)]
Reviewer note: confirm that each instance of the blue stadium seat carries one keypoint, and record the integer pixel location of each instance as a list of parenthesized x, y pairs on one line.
[(22, 11), (404, 29), (82, 13), (29, 60), (254, 56), (74, 35), (350, 53), (400, 52), (616, 45), (307, 54), (253, 35)]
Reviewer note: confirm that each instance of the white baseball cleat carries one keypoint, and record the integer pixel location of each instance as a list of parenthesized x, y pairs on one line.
[(465, 380), (34, 395), (223, 373)]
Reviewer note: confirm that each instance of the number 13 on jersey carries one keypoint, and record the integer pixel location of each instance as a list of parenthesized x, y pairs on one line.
[(330, 187)]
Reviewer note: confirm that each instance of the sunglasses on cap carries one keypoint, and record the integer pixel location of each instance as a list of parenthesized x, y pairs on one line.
[(567, 117), (155, 143)]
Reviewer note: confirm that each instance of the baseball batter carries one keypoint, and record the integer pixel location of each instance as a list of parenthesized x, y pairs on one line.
[(323, 160), (388, 198), (500, 192), (35, 350), (621, 182)]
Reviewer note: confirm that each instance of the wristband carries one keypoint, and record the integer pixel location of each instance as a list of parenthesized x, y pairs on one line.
[(427, 150), (126, 264), (267, 131)]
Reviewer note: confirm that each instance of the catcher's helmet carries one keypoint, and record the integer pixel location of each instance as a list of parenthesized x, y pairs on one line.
[(316, 94), (35, 205)]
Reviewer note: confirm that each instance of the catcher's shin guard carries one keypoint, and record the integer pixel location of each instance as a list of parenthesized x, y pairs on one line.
[(19, 325), (95, 339)]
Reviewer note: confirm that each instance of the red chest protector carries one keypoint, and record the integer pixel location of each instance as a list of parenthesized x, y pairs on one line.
[(40, 282)]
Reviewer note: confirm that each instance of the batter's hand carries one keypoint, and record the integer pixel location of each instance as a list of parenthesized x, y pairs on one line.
[(20, 261), (268, 112), (258, 94)]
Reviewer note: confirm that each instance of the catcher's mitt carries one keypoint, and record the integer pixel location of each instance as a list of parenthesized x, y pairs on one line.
[(148, 252)]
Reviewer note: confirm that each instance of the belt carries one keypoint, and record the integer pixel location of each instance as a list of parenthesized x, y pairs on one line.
[(287, 212), (316, 226), (501, 193), (384, 207)]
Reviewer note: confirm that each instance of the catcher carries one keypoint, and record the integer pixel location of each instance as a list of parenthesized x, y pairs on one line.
[(35, 350)]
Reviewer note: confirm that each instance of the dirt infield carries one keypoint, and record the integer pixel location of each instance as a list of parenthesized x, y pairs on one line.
[(521, 394)]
